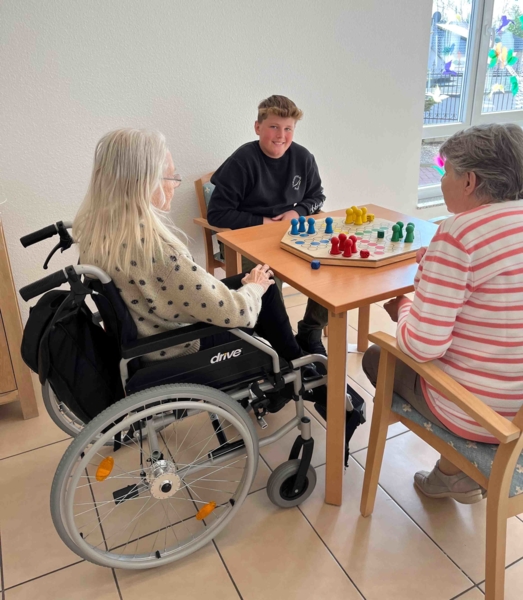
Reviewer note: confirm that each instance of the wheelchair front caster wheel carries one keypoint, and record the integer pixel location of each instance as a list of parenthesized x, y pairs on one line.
[(280, 487)]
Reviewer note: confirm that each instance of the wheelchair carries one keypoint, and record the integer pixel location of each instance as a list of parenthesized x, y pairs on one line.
[(159, 473)]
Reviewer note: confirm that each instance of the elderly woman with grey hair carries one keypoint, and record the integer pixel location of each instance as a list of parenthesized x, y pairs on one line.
[(467, 312)]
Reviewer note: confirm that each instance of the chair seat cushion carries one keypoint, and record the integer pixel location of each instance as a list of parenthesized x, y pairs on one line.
[(480, 455)]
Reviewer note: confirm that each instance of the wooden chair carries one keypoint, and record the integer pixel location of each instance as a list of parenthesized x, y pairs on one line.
[(231, 262), (499, 469)]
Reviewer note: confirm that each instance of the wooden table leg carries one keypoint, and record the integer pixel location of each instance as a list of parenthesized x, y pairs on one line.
[(363, 327), (336, 391), (233, 262)]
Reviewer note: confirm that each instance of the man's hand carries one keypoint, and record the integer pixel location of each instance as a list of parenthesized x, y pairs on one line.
[(393, 306), (286, 216), (267, 220)]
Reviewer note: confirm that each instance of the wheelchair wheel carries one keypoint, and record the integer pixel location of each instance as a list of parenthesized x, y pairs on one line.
[(63, 417), (280, 488), (188, 457)]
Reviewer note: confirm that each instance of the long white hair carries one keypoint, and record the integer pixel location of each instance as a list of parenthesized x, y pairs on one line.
[(117, 223)]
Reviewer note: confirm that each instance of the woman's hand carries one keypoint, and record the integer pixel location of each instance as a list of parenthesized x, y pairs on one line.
[(261, 275), (420, 254), (393, 306)]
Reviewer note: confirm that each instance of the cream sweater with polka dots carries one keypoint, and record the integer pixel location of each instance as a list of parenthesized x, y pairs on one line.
[(180, 292)]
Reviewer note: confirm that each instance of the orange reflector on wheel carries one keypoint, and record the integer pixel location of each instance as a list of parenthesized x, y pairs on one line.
[(205, 511), (104, 468)]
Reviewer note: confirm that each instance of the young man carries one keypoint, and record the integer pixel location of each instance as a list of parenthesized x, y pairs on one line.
[(272, 179)]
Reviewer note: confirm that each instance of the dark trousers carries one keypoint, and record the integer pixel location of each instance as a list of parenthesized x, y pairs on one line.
[(273, 323), (316, 316), (407, 383)]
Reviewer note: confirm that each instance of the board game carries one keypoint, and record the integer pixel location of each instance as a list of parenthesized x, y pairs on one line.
[(357, 240)]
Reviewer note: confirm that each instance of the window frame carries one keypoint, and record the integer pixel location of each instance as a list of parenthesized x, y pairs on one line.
[(474, 86)]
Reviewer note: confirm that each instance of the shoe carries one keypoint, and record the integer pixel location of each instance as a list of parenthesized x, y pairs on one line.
[(309, 340), (460, 487)]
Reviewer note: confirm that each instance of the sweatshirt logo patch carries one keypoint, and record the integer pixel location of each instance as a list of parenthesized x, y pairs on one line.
[(296, 182)]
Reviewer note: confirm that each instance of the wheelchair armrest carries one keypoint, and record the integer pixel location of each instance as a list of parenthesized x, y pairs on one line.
[(166, 339)]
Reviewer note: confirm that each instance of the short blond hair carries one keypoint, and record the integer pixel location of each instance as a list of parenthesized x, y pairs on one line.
[(280, 106)]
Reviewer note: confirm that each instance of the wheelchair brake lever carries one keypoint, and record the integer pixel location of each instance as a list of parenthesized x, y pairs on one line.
[(66, 241), (51, 254)]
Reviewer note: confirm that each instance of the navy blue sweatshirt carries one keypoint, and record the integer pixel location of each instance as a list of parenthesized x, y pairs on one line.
[(251, 185)]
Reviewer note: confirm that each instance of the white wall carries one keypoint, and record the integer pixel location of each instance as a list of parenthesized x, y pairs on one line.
[(72, 70)]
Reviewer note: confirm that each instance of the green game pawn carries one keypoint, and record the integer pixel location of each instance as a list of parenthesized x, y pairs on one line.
[(400, 224), (396, 229), (409, 238)]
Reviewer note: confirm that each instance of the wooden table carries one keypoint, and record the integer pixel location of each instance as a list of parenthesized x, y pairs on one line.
[(339, 289)]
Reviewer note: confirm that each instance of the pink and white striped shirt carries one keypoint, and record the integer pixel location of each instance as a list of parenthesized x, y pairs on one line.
[(468, 313)]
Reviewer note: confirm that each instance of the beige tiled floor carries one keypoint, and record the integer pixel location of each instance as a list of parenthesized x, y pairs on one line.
[(410, 548)]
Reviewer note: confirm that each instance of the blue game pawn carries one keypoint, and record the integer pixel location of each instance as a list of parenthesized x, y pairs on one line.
[(328, 223), (301, 228), (294, 228), (311, 222)]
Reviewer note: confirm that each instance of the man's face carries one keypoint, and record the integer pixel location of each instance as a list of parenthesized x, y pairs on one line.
[(275, 134)]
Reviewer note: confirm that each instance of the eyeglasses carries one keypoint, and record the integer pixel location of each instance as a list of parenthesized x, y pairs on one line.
[(177, 178)]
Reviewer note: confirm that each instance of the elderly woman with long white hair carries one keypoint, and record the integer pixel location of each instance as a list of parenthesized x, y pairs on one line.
[(120, 228), (467, 312)]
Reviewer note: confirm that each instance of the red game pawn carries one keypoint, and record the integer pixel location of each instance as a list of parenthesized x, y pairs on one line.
[(353, 239), (364, 253), (347, 252), (335, 245), (342, 237)]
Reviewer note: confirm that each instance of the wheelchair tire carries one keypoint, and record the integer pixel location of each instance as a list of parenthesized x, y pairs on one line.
[(166, 506), (279, 485), (64, 418)]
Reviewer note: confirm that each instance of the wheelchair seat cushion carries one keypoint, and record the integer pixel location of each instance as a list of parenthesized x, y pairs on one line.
[(480, 455)]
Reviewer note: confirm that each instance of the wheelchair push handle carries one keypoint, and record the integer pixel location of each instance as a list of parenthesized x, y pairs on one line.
[(43, 285), (41, 234)]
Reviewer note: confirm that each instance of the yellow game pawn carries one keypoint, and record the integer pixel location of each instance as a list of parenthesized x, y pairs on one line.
[(358, 214), (363, 214), (350, 216)]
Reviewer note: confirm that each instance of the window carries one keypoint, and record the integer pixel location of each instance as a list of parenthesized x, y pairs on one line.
[(474, 74)]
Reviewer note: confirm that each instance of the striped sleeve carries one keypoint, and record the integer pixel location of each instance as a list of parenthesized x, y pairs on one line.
[(443, 285)]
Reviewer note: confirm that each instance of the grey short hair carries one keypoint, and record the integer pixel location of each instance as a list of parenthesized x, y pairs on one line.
[(495, 154)]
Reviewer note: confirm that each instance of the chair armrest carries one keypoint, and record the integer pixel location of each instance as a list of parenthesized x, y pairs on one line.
[(205, 224), (166, 339), (502, 429)]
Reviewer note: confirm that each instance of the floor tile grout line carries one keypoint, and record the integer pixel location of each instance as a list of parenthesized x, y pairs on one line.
[(227, 569), (44, 575), (421, 529), (330, 552), (461, 594), (312, 527), (513, 563), (2, 582), (117, 584), (389, 438), (33, 449)]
